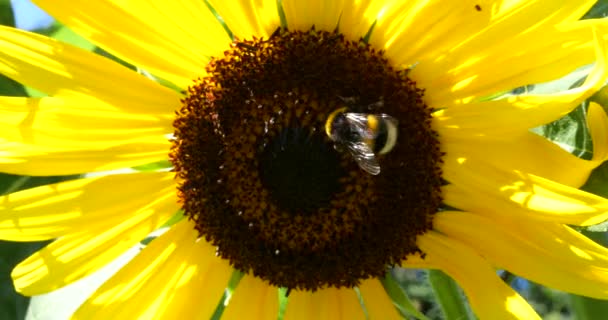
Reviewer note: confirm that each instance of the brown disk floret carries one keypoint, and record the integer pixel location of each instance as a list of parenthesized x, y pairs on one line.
[(264, 183)]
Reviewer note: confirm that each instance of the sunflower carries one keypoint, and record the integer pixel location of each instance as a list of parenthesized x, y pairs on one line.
[(238, 127)]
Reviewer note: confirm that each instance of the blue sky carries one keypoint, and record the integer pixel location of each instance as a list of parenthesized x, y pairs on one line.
[(28, 16)]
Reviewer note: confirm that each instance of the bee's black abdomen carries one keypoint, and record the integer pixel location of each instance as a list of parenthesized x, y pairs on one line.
[(381, 137)]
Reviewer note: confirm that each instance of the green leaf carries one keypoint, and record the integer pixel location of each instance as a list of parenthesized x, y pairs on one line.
[(400, 299), (281, 13), (232, 284), (587, 308), (7, 18), (48, 30), (368, 35), (10, 183), (12, 304), (570, 132), (9, 87), (598, 181), (177, 217), (220, 19), (599, 10), (114, 58), (449, 296)]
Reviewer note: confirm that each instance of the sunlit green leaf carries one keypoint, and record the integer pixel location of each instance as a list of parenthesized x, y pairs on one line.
[(232, 284), (570, 132), (66, 35), (283, 300), (602, 227), (163, 164)]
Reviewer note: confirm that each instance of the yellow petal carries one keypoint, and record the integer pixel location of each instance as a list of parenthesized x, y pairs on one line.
[(35, 161), (117, 295), (455, 44), (198, 297), (542, 55), (597, 122), (329, 304), (60, 209), (438, 26), (212, 278), (174, 276), (247, 18), (548, 253), (172, 40), (59, 69), (79, 121), (358, 17), (302, 15), (376, 301), (46, 136), (504, 118), (488, 295), (253, 299), (482, 187), (188, 286), (529, 153), (79, 254)]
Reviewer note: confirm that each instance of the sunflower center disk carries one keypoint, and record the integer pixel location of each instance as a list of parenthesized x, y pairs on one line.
[(266, 185)]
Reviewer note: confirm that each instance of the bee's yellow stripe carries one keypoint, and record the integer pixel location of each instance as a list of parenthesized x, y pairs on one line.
[(330, 119), (372, 122), (372, 125)]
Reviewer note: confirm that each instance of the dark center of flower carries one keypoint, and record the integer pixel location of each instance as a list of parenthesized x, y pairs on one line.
[(267, 186), (300, 170)]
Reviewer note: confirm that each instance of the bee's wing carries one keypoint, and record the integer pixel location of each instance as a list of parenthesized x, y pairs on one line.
[(392, 120), (365, 157), (359, 122)]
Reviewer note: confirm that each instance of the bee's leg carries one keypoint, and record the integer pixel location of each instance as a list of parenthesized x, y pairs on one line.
[(377, 104), (340, 148), (349, 101), (410, 68)]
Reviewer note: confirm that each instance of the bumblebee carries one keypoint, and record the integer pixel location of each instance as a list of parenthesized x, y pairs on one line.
[(364, 135)]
